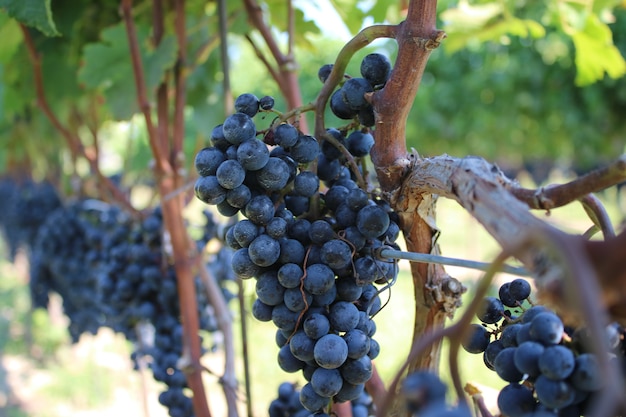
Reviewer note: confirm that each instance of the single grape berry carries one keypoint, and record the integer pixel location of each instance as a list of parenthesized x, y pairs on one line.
[(247, 104), (490, 311), (477, 339), (353, 93), (375, 68), (266, 103), (519, 289), (324, 72)]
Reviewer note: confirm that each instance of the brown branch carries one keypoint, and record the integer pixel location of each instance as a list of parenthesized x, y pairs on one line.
[(226, 85), (417, 37), (550, 197), (597, 213), (180, 85), (182, 246), (162, 95), (162, 164), (288, 79), (71, 138), (224, 322)]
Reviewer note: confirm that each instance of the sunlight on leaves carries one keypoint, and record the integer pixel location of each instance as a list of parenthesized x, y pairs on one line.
[(596, 54)]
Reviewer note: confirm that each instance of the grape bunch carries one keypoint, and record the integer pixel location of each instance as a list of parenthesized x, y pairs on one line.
[(24, 206), (548, 365), (425, 395), (309, 236), (287, 404), (112, 270)]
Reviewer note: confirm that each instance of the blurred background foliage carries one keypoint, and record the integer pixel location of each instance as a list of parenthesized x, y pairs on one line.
[(519, 82)]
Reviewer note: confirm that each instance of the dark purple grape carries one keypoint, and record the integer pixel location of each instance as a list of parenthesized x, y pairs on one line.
[(357, 371), (319, 279), (305, 149), (586, 375), (526, 358), (375, 68), (243, 266), (217, 138), (268, 289), (253, 154), (230, 174), (238, 128), (519, 289), (301, 346), (504, 365), (477, 339), (209, 190), (306, 184), (340, 107), (360, 143), (264, 250), (274, 175), (286, 135), (358, 343), (289, 275), (247, 104), (238, 197), (260, 210), (491, 352), (421, 389), (516, 400), (245, 232), (554, 393), (343, 316), (490, 310), (509, 334), (353, 93), (287, 361), (546, 328), (208, 160), (284, 319), (266, 103), (296, 299), (349, 392), (505, 297), (372, 221), (324, 72), (321, 231), (316, 325), (326, 382), (330, 351), (262, 311), (291, 251), (557, 362), (276, 228), (336, 254)]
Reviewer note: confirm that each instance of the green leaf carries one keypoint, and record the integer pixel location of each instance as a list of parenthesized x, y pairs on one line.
[(494, 31), (107, 66), (11, 38), (596, 54), (469, 18), (350, 13), (34, 13)]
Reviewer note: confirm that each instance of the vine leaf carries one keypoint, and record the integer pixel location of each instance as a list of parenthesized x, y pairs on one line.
[(33, 13), (596, 53), (107, 67), (486, 22), (350, 13)]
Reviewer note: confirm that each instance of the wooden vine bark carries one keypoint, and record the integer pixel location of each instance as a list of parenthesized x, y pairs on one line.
[(416, 37)]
